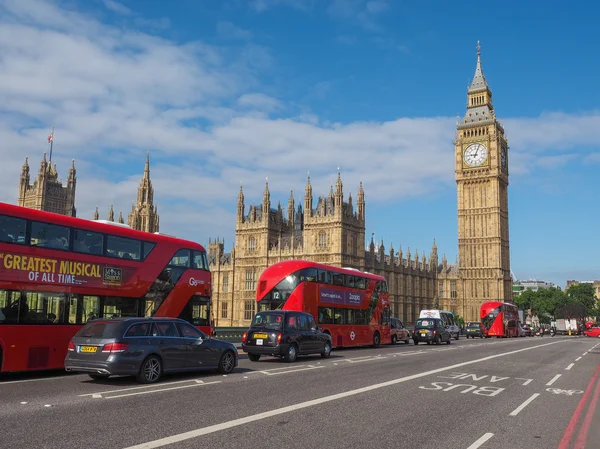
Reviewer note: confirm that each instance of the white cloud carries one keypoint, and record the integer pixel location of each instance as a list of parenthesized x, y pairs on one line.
[(229, 30), (116, 7), (113, 93), (263, 5)]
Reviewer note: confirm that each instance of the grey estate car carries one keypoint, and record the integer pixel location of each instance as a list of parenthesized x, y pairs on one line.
[(146, 348)]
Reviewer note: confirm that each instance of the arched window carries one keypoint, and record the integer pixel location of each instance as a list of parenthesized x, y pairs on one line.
[(251, 244), (322, 240)]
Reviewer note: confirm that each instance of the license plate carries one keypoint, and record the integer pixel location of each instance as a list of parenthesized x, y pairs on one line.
[(259, 341), (88, 349), (261, 336), (423, 332)]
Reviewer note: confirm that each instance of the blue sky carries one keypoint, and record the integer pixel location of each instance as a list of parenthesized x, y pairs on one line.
[(230, 91)]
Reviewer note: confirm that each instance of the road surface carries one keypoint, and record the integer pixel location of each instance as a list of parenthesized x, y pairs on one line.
[(491, 393)]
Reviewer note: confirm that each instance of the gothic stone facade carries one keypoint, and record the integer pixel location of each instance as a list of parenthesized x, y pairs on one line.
[(481, 151), (332, 233), (144, 214), (47, 191)]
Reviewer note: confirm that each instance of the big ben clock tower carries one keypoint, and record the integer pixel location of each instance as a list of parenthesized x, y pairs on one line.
[(481, 152)]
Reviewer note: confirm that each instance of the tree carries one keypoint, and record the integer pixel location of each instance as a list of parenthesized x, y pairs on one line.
[(460, 321), (584, 294), (573, 309)]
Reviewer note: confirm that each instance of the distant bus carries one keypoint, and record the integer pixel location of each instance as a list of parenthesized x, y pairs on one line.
[(351, 305), (59, 272), (447, 317), (500, 319)]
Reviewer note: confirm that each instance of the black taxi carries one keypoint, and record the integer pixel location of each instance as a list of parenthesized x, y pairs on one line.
[(285, 334), (430, 330)]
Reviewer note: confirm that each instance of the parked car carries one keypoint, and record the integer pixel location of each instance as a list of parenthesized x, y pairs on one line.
[(285, 334), (146, 348), (475, 329), (592, 332), (431, 330), (399, 332), (527, 330)]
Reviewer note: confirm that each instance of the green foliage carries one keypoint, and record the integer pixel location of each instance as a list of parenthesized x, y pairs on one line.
[(578, 301), (459, 320), (584, 294)]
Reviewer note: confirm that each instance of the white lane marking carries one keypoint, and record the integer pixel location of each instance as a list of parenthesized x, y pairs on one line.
[(516, 411), (163, 389), (144, 386), (302, 405), (578, 359), (481, 440), (267, 371), (585, 353), (370, 359), (23, 403), (47, 405), (37, 380), (554, 379), (569, 367), (291, 371)]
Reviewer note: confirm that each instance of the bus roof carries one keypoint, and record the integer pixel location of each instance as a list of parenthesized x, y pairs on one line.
[(297, 264), (92, 225)]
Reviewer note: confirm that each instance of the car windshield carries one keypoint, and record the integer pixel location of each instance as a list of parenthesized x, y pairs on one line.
[(99, 330), (474, 324), (268, 320), (427, 324)]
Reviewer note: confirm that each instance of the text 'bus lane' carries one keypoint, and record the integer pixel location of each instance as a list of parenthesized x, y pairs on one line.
[(464, 387)]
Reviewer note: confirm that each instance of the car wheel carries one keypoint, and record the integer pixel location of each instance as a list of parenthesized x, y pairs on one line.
[(449, 340), (457, 336), (150, 371), (292, 354), (438, 340), (327, 351), (394, 339), (227, 362), (376, 339), (254, 357)]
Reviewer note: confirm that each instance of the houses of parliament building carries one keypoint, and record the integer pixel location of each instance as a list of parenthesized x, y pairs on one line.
[(332, 231), (48, 193)]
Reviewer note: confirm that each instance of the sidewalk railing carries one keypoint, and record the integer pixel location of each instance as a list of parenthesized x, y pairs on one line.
[(230, 334)]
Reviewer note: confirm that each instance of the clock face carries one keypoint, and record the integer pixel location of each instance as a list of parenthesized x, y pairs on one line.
[(475, 154), (504, 158)]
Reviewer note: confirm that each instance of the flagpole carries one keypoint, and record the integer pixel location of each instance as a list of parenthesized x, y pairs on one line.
[(51, 143)]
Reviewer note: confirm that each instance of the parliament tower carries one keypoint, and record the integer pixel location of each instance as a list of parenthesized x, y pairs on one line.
[(481, 151)]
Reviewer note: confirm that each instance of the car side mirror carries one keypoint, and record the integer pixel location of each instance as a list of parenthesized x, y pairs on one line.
[(200, 340), (319, 328)]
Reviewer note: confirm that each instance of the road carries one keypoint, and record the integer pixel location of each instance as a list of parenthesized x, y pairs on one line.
[(491, 394)]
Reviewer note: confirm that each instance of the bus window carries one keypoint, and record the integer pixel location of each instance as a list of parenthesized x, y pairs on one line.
[(307, 274), (87, 242), (197, 311), (324, 277), (123, 248), (338, 279), (360, 282), (49, 236), (12, 230), (181, 258)]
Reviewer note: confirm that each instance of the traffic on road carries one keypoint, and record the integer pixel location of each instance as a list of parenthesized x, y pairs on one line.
[(512, 389)]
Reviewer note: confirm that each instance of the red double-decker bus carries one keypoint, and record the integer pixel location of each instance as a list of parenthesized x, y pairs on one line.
[(59, 272), (350, 305), (500, 319)]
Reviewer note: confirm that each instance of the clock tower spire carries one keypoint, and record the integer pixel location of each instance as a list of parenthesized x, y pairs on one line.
[(481, 151)]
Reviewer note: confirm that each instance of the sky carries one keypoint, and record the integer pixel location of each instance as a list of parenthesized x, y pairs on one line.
[(223, 92)]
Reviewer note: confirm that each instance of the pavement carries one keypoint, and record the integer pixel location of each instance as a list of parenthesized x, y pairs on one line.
[(492, 393)]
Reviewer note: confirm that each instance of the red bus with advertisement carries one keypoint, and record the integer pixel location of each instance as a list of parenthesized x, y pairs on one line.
[(59, 272), (350, 305), (500, 319)]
